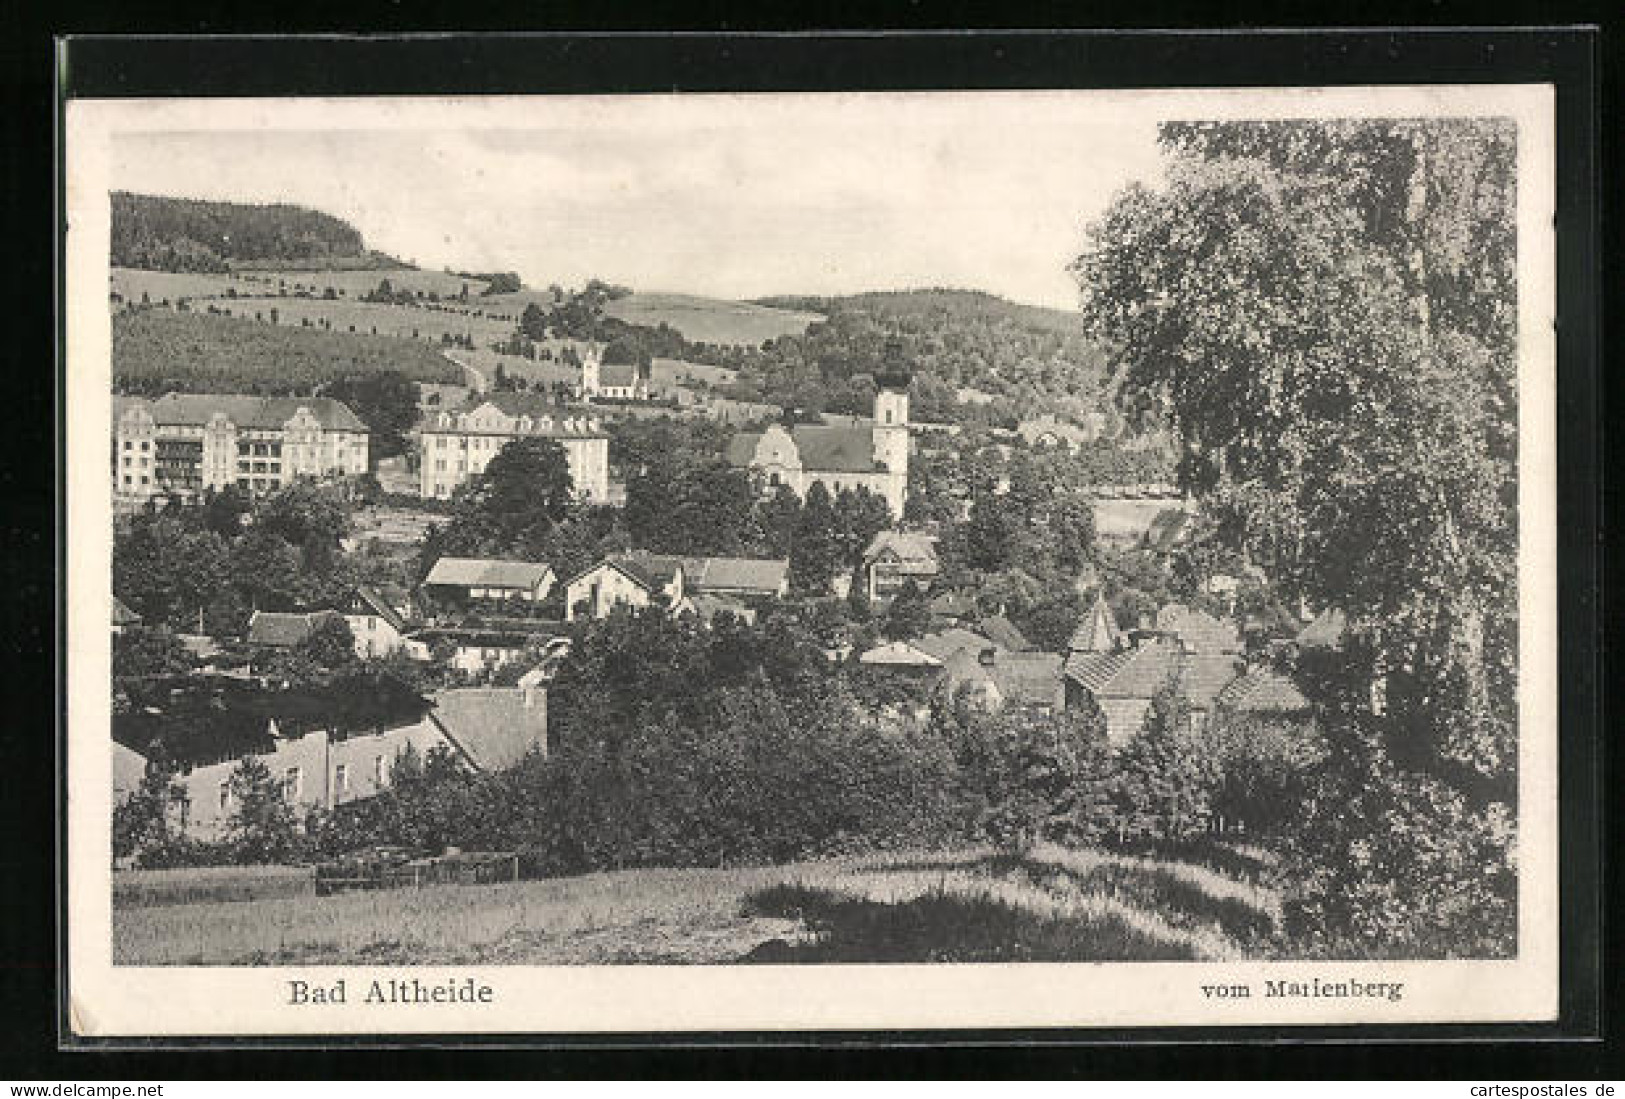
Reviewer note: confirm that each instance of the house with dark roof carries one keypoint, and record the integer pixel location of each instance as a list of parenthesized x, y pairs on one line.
[(486, 729), (894, 557), (1263, 690), (1121, 673), (285, 629), (612, 381), (185, 443), (469, 578), (739, 577), (873, 457)]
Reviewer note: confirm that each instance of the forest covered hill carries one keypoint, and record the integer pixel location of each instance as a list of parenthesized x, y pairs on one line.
[(180, 234)]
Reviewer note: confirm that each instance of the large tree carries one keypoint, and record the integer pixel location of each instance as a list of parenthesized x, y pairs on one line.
[(1325, 311)]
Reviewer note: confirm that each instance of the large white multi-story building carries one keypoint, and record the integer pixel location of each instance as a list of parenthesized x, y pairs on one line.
[(456, 444), (184, 443)]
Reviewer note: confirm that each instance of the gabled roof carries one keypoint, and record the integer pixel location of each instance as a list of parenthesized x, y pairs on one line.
[(1326, 631), (1140, 672), (1200, 631), (624, 564), (915, 552), (282, 629), (1098, 632), (946, 643), (900, 654), (835, 449), (1263, 690), (953, 604), (478, 572), (123, 615), (766, 576), (656, 569), (494, 726), (196, 409), (1003, 633), (367, 601), (820, 447), (1027, 679)]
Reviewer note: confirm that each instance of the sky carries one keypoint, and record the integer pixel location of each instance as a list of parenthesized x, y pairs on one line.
[(722, 196)]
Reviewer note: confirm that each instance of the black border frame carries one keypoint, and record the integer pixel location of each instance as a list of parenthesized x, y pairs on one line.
[(115, 67)]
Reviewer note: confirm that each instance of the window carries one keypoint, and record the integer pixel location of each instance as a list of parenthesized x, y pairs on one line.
[(145, 445), (293, 785), (143, 480), (127, 479), (127, 446), (225, 795), (341, 779), (379, 775), (126, 461)]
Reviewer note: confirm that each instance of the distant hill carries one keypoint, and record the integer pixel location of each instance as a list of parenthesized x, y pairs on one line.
[(1017, 358), (964, 304), (713, 320), (180, 234)]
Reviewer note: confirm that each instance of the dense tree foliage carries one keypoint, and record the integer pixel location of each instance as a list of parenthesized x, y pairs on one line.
[(178, 234), (1326, 313)]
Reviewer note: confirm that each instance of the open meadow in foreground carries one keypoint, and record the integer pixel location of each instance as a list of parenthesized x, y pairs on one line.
[(1054, 904)]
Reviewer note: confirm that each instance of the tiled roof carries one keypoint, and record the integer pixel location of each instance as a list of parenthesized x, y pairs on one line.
[(916, 552), (821, 448), (1200, 631), (627, 565), (565, 422), (1003, 633), (954, 604), (835, 449), (655, 569), (1028, 679), (494, 726), (1263, 690), (282, 629), (196, 409), (1140, 672), (1130, 673), (1098, 632), (766, 576), (478, 572)]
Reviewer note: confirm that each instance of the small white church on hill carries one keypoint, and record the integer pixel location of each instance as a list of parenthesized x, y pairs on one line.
[(873, 457)]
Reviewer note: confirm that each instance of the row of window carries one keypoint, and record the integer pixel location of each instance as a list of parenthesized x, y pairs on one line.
[(144, 444), (293, 781)]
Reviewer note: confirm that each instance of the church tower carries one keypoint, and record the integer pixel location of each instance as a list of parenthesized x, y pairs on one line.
[(891, 412), (589, 372)]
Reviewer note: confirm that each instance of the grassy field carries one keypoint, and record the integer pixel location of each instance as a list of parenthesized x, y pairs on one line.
[(356, 283), (209, 884), (158, 348), (160, 286), (710, 320), (420, 322), (1055, 904)]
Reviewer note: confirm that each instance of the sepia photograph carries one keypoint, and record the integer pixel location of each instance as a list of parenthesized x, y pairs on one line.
[(795, 560)]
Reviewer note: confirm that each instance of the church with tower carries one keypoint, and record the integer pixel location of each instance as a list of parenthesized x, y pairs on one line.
[(874, 457)]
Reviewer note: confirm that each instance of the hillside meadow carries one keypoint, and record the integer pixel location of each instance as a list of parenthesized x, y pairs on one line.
[(429, 321), (970, 905), (711, 320), (158, 350)]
